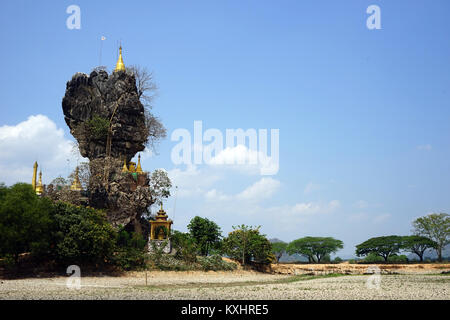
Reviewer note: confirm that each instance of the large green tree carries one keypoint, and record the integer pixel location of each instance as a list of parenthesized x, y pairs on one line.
[(278, 248), (246, 244), (205, 233), (24, 221), (314, 248), (435, 226), (82, 235), (381, 246), (418, 245)]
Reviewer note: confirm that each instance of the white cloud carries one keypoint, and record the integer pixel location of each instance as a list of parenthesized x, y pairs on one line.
[(311, 187), (424, 147), (261, 189), (244, 160), (192, 181), (35, 139)]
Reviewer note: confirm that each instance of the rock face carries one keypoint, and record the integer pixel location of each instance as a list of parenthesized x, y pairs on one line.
[(104, 110), (125, 196), (89, 104)]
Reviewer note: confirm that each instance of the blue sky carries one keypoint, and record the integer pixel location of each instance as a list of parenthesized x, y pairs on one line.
[(363, 114)]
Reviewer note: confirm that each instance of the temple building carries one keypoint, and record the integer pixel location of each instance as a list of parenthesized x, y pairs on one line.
[(160, 228)]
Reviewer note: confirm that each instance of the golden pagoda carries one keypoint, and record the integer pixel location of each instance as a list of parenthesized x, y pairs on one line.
[(160, 228), (120, 66), (33, 182), (40, 186), (139, 168), (76, 184), (131, 167), (125, 168)]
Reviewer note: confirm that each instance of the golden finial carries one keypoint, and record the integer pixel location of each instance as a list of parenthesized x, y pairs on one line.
[(120, 66), (139, 168)]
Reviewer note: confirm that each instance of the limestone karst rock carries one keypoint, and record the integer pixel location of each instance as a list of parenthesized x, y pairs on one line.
[(101, 110), (89, 104)]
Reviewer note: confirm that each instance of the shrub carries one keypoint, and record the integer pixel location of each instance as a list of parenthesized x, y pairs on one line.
[(373, 258), (215, 263), (130, 254), (337, 260), (184, 246), (98, 127), (398, 259)]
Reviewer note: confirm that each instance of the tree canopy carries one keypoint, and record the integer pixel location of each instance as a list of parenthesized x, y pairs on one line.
[(435, 226), (315, 248), (205, 233), (24, 221), (381, 246), (278, 248), (418, 245), (246, 244)]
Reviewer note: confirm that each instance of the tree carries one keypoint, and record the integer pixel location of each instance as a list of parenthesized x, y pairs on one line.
[(245, 243), (82, 235), (278, 248), (435, 226), (418, 245), (315, 248), (147, 91), (205, 233), (381, 246), (24, 221)]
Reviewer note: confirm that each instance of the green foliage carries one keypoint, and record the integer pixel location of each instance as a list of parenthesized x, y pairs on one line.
[(215, 263), (381, 246), (82, 235), (372, 257), (435, 226), (418, 245), (205, 233), (278, 248), (337, 260), (246, 244), (398, 259), (129, 254), (315, 248), (184, 246), (158, 252), (98, 127), (24, 221)]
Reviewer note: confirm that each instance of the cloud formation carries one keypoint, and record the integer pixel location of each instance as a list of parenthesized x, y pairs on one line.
[(35, 139)]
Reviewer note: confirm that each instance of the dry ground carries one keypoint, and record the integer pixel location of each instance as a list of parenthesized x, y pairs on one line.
[(231, 285)]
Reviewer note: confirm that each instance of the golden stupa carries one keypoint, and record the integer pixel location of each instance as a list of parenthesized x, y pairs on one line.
[(40, 186), (76, 184), (120, 66)]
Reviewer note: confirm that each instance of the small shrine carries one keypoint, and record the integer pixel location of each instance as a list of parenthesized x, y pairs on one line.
[(160, 230)]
